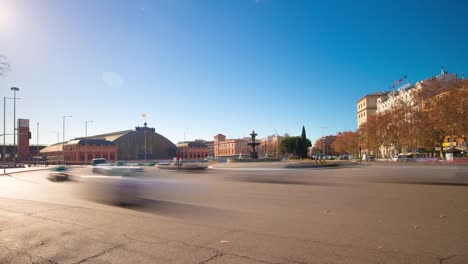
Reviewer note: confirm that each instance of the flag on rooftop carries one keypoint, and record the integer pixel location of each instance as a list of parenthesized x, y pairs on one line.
[(399, 81)]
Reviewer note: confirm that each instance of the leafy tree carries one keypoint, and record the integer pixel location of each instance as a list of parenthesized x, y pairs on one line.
[(294, 147), (288, 146), (304, 144)]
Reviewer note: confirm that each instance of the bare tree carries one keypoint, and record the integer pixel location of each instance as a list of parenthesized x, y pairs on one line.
[(4, 66)]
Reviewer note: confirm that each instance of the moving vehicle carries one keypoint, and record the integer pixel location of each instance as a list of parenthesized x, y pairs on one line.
[(368, 157), (420, 157), (185, 165), (98, 161), (114, 184), (58, 173)]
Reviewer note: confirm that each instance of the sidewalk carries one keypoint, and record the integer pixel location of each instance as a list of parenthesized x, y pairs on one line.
[(18, 170)]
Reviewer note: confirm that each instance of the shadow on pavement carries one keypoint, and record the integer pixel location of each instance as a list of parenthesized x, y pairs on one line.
[(280, 181), (178, 210)]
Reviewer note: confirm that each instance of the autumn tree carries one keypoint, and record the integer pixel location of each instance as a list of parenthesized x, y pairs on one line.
[(439, 112), (346, 142), (459, 95), (368, 134)]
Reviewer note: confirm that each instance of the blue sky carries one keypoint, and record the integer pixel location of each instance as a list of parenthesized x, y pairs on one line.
[(198, 68)]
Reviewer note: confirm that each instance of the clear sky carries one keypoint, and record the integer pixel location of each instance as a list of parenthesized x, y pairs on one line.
[(198, 68)]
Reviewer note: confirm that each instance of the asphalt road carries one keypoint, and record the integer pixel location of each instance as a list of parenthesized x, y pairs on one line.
[(244, 213)]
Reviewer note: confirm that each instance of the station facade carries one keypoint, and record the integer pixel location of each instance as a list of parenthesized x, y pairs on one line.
[(140, 144)]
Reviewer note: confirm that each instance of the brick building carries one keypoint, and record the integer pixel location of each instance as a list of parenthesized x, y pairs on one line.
[(325, 145), (198, 149)]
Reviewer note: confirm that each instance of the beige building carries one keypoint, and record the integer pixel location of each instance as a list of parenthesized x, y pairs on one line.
[(367, 106), (405, 94), (270, 146), (231, 147)]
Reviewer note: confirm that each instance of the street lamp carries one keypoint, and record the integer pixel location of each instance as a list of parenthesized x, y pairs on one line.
[(14, 89), (145, 141), (324, 139), (86, 141), (277, 144), (63, 138), (4, 124), (4, 129), (37, 138)]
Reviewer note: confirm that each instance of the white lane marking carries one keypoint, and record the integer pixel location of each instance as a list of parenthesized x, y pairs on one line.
[(254, 169)]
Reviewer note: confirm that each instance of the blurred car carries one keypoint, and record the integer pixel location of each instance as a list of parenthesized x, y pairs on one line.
[(368, 157), (58, 173), (114, 184), (406, 157), (344, 157), (220, 159), (185, 165), (101, 162), (98, 161)]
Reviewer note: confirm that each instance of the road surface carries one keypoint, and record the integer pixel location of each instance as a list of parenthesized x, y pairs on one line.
[(377, 213)]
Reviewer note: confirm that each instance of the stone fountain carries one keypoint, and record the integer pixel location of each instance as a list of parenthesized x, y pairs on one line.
[(253, 144)]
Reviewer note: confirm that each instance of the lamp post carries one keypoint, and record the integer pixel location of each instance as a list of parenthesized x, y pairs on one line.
[(145, 143), (3, 155), (37, 138), (277, 144), (4, 130), (86, 141), (63, 138), (324, 139), (14, 89)]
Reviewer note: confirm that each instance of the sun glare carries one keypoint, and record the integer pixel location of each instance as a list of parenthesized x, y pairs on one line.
[(6, 16)]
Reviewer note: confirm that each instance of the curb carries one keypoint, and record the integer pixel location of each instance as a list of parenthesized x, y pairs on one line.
[(22, 171)]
